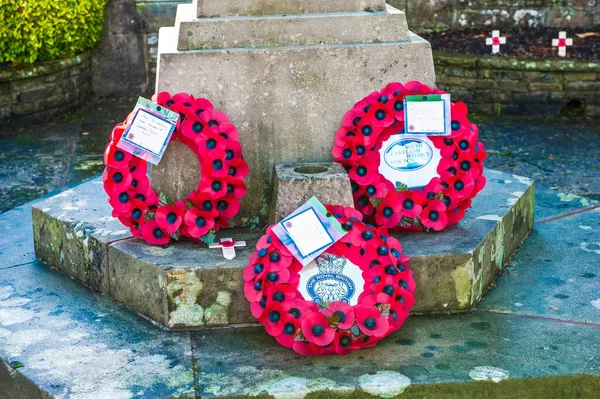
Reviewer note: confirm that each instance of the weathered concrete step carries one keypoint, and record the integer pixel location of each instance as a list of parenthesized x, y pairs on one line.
[(186, 286), (290, 30), (221, 8)]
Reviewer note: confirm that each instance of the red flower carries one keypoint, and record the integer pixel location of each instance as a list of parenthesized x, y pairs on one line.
[(116, 180), (273, 318), (303, 348), (154, 235), (116, 157), (169, 218), (200, 105), (466, 164), (365, 170), (388, 213), (343, 312), (316, 329), (290, 329), (352, 118), (379, 116), (369, 132), (410, 203), (238, 169), (370, 321), (192, 127), (434, 215), (398, 313), (209, 141), (120, 202), (215, 188), (460, 186), (460, 125), (349, 152), (455, 215), (198, 222), (343, 343)]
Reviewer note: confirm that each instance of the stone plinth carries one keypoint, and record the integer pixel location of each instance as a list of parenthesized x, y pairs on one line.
[(296, 183), (285, 81), (185, 286), (220, 8)]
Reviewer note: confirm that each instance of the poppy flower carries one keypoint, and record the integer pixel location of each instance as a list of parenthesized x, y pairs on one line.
[(258, 304), (116, 180), (433, 188), (389, 212), (365, 171), (200, 105), (290, 329), (217, 164), (445, 144), (457, 214), (282, 293), (479, 185), (154, 235), (138, 169), (303, 348), (410, 203), (366, 103), (460, 186), (215, 119), (215, 188), (170, 217), (120, 202), (180, 103), (238, 169), (466, 164), (273, 317), (316, 329), (434, 215), (379, 187), (459, 124), (117, 133), (342, 312), (137, 213), (415, 87), (480, 154), (447, 164), (393, 89), (352, 118), (398, 313), (370, 321), (253, 291), (343, 343), (192, 127), (116, 157), (210, 141), (368, 132), (228, 131), (161, 98), (204, 202), (349, 152), (198, 222), (379, 116), (396, 107)]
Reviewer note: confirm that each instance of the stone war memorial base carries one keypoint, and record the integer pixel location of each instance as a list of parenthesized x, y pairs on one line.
[(534, 335), (188, 286)]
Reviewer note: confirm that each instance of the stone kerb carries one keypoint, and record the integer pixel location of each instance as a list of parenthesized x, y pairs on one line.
[(187, 286), (221, 8)]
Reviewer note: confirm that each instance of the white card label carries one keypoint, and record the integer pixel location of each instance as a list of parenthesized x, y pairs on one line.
[(331, 278), (149, 131), (409, 159), (425, 117), (307, 232)]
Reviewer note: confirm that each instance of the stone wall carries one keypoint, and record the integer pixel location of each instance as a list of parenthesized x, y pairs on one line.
[(445, 14), (44, 89), (494, 85)]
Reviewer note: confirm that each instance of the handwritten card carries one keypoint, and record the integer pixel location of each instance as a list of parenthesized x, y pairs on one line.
[(309, 231), (427, 114), (149, 132)]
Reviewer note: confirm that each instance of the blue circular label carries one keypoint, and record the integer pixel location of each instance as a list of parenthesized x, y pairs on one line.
[(407, 155)]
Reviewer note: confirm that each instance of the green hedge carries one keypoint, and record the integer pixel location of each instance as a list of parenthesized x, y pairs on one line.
[(44, 30)]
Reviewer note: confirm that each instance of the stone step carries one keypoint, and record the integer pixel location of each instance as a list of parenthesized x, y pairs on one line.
[(272, 94), (290, 30), (186, 286), (222, 8)]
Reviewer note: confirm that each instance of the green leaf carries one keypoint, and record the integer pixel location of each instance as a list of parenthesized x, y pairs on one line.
[(149, 216), (175, 236), (401, 187), (164, 199), (209, 238), (189, 205), (439, 195)]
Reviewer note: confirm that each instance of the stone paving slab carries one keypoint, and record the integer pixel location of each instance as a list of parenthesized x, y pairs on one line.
[(291, 30), (556, 273), (16, 240), (416, 361), (72, 343)]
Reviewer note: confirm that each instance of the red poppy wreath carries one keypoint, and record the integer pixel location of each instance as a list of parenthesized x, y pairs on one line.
[(276, 284), (155, 217), (444, 199)]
